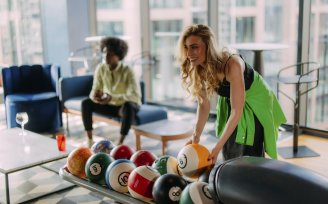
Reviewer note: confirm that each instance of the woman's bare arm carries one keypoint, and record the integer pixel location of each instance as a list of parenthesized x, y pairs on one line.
[(237, 99), (203, 110)]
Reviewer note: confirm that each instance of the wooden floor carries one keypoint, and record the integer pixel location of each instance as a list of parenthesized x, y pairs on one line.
[(317, 144)]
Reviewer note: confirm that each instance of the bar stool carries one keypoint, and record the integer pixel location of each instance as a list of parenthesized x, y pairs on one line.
[(309, 79)]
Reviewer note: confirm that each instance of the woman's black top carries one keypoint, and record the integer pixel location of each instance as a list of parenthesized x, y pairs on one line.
[(224, 88)]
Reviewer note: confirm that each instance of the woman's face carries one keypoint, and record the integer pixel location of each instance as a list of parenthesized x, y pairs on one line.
[(196, 50), (111, 58)]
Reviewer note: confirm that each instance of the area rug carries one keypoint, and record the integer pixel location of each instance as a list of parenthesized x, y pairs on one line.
[(35, 182)]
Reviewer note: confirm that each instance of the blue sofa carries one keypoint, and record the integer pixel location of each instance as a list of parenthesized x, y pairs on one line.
[(33, 89), (74, 89)]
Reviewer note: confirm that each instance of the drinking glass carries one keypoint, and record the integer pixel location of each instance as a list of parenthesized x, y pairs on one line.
[(61, 142), (22, 119)]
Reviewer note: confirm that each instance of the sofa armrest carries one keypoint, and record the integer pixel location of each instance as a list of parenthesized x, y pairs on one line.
[(74, 86)]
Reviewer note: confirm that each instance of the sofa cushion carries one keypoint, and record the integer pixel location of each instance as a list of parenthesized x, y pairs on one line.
[(150, 113), (30, 97), (146, 114), (41, 108), (74, 103)]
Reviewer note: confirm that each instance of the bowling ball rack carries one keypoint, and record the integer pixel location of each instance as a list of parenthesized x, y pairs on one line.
[(124, 198)]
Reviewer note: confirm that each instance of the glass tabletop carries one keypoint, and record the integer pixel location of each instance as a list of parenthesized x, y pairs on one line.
[(18, 152)]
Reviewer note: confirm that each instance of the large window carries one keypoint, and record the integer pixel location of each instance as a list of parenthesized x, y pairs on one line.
[(274, 16), (244, 3), (317, 100), (111, 28), (165, 32), (109, 4), (165, 4), (121, 18), (245, 29), (20, 32), (257, 21), (239, 21)]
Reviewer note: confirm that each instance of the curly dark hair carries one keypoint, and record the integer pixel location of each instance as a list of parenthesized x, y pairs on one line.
[(118, 46)]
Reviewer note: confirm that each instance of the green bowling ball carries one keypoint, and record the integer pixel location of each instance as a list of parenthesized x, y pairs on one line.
[(96, 167), (166, 164), (196, 192)]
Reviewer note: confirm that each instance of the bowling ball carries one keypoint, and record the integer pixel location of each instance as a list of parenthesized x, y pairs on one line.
[(122, 152), (189, 179), (168, 188), (141, 181), (76, 161), (196, 192), (143, 157), (193, 160), (104, 145), (117, 175), (205, 175), (166, 164), (96, 167)]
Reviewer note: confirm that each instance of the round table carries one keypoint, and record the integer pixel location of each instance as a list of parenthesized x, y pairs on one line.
[(164, 131), (257, 48)]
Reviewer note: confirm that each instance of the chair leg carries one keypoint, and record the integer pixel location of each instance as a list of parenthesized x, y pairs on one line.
[(296, 120), (138, 145), (67, 125), (295, 136)]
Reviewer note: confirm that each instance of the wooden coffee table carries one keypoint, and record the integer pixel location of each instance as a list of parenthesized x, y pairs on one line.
[(18, 152), (164, 131)]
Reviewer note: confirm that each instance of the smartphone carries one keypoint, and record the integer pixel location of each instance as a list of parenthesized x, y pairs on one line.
[(103, 96)]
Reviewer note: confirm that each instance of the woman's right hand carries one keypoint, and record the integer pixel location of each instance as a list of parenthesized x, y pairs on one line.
[(193, 140), (97, 96)]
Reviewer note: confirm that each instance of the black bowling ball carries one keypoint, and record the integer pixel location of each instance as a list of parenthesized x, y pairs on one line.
[(168, 188), (205, 175)]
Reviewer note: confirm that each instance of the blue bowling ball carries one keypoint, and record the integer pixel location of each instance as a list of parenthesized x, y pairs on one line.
[(102, 146)]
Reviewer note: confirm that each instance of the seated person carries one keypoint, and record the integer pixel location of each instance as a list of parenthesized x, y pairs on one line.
[(115, 91)]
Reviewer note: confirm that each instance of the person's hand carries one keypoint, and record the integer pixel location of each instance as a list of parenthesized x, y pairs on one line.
[(214, 154), (104, 99), (194, 140), (188, 142), (97, 96)]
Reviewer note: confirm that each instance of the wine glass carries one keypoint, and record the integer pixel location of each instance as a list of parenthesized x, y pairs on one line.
[(22, 119)]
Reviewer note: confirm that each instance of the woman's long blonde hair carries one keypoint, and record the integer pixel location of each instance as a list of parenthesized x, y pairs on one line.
[(196, 79)]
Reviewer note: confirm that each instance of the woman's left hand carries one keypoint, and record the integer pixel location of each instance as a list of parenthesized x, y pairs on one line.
[(105, 99), (214, 154)]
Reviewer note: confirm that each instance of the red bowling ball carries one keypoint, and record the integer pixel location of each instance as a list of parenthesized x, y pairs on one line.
[(121, 152), (141, 182), (143, 157)]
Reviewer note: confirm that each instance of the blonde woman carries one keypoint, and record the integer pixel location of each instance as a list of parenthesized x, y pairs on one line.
[(248, 113)]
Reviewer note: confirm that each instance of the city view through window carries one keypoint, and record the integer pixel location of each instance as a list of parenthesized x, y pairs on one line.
[(22, 40)]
